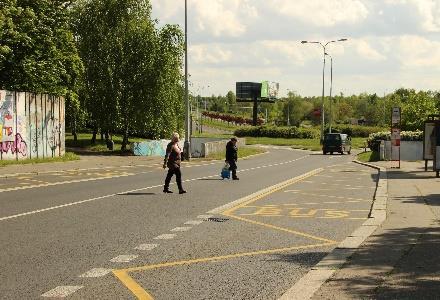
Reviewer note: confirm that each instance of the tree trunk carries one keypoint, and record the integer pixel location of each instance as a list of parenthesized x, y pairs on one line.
[(74, 133), (95, 132), (125, 138)]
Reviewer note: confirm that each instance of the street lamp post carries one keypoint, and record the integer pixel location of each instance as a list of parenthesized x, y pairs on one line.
[(187, 108), (323, 78), (331, 88)]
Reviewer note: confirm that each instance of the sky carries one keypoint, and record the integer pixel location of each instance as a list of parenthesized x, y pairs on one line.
[(391, 44)]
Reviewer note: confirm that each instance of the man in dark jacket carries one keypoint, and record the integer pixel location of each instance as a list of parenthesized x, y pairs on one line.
[(172, 160), (231, 157)]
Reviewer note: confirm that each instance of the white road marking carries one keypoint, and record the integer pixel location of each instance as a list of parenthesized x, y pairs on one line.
[(166, 236), (180, 229), (96, 272), (193, 222), (204, 216), (106, 196), (60, 183), (146, 247), (124, 258), (62, 291)]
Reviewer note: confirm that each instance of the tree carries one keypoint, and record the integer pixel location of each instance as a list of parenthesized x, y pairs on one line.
[(133, 82), (37, 51)]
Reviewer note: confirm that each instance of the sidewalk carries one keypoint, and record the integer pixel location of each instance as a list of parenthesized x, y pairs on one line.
[(400, 260), (85, 162)]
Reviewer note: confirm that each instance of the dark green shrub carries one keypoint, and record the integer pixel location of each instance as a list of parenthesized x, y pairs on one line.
[(356, 130), (278, 132), (375, 138)]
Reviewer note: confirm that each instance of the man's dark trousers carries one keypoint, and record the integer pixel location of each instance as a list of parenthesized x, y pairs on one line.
[(233, 168), (170, 174)]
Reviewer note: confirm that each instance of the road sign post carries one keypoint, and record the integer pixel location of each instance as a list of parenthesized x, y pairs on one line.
[(395, 135)]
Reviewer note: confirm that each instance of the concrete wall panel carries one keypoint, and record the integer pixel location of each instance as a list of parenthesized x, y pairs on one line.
[(31, 126)]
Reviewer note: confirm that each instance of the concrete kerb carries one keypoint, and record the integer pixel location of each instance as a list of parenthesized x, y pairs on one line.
[(307, 286)]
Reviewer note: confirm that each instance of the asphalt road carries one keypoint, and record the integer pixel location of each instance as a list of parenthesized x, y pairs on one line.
[(113, 234)]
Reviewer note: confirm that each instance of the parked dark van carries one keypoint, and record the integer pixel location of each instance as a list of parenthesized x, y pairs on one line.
[(336, 142)]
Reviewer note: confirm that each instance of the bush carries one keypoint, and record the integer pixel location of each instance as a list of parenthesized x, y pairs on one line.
[(356, 130), (278, 132), (375, 138)]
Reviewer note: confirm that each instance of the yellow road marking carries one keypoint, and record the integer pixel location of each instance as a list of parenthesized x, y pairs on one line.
[(132, 285), (140, 293), (222, 257)]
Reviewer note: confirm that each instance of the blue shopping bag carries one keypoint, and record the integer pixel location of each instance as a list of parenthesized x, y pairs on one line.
[(226, 173)]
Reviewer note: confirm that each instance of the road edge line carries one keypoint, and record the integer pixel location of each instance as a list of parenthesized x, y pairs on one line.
[(310, 283)]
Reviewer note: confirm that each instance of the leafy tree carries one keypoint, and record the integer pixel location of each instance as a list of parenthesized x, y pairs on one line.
[(37, 50), (133, 82)]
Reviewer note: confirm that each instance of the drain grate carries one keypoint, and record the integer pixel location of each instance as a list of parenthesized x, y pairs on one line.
[(218, 220)]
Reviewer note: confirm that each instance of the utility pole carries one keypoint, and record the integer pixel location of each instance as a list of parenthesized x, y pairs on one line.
[(187, 144)]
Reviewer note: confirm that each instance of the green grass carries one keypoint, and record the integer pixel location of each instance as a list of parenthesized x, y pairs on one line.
[(69, 156), (368, 156), (310, 144), (242, 153), (84, 139), (307, 144), (220, 125), (213, 135)]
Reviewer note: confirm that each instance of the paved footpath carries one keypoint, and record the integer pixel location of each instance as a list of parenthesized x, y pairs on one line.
[(85, 162), (400, 260)]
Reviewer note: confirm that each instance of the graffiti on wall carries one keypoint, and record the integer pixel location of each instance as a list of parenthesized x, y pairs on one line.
[(17, 146), (150, 148), (31, 125), (6, 118), (53, 139)]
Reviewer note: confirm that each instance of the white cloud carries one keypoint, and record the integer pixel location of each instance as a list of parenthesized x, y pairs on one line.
[(322, 13), (209, 54), (367, 51), (430, 14), (223, 17), (418, 52), (391, 42)]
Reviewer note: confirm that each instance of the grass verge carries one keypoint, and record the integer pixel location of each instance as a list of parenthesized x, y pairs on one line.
[(306, 144), (369, 156), (220, 125), (69, 156), (243, 152), (84, 143)]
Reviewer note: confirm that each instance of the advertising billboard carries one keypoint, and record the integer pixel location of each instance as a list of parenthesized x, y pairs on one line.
[(266, 91), (429, 141), (269, 90)]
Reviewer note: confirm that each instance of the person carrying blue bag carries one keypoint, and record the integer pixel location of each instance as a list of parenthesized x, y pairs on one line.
[(231, 157)]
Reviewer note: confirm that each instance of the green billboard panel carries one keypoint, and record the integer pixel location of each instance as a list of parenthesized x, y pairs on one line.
[(269, 90)]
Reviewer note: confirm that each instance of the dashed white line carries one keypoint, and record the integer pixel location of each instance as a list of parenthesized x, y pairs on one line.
[(180, 229), (107, 196), (62, 291), (124, 258), (204, 216), (193, 222), (166, 236), (146, 247), (95, 273)]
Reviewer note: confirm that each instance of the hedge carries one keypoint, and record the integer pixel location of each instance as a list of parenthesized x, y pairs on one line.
[(278, 132), (375, 138), (356, 130)]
